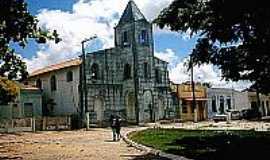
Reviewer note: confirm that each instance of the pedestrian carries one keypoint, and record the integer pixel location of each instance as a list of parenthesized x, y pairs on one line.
[(118, 128), (113, 126)]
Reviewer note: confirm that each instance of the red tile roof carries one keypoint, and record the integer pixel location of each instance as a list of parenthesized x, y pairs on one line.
[(54, 67)]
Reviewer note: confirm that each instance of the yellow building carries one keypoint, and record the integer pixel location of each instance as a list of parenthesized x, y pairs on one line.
[(185, 95)]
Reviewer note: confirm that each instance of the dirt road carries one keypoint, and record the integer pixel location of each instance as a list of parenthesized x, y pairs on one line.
[(95, 144)]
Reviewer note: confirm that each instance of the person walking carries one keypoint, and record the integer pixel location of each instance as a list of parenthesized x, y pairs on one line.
[(113, 126), (118, 128)]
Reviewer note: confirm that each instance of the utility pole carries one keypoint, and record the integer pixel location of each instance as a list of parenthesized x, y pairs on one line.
[(84, 85), (193, 91)]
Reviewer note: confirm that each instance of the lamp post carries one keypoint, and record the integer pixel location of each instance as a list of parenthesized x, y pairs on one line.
[(84, 87)]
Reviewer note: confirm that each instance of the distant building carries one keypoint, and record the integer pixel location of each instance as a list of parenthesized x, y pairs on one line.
[(264, 107), (220, 100), (28, 103), (185, 96)]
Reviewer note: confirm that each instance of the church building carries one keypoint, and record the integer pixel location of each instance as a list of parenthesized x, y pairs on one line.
[(127, 80)]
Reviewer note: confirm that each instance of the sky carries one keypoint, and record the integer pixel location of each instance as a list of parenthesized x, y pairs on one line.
[(76, 20)]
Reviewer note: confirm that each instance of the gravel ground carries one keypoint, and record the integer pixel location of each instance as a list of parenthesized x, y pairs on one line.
[(95, 144)]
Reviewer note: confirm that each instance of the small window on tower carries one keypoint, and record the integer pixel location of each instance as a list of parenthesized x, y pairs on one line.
[(125, 38), (146, 70), (143, 38)]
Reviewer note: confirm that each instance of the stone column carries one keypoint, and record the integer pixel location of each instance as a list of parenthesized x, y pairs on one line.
[(196, 114), (87, 120)]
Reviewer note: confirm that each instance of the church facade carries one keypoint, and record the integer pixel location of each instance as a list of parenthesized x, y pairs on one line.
[(128, 80)]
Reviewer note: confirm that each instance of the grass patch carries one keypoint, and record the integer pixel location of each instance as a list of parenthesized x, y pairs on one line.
[(207, 145)]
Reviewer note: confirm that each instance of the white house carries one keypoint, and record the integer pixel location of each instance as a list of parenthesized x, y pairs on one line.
[(221, 99)]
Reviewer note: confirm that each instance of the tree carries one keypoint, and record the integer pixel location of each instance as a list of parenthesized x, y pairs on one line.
[(17, 25), (8, 90), (235, 36)]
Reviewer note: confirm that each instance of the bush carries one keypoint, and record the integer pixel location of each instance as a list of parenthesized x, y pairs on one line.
[(8, 90)]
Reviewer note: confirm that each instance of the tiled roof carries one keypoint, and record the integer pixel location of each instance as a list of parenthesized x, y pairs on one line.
[(54, 67)]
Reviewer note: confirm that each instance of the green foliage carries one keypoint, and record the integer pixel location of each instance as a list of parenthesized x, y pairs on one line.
[(233, 36), (17, 25), (207, 144), (8, 90)]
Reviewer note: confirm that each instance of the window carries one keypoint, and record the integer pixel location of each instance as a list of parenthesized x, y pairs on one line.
[(184, 107), (157, 76), (39, 83), (214, 105), (94, 71), (221, 105), (145, 67), (15, 111), (127, 72), (69, 76), (125, 38), (53, 83), (28, 109), (229, 104), (143, 37)]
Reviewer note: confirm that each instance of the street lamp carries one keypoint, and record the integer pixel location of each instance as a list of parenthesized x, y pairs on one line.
[(84, 88)]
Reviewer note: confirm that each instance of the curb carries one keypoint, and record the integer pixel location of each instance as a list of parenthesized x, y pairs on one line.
[(148, 149)]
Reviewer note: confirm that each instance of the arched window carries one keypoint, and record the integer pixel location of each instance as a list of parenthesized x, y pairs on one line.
[(125, 38), (127, 71), (146, 70), (39, 83), (69, 76), (94, 71), (143, 37), (53, 83), (157, 76)]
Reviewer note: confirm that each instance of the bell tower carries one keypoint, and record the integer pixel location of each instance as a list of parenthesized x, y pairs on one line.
[(133, 28)]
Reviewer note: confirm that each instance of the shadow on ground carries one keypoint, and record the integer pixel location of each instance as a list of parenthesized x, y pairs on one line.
[(145, 157), (223, 146)]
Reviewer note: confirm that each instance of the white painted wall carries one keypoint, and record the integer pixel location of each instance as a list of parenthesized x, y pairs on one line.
[(239, 100), (66, 96)]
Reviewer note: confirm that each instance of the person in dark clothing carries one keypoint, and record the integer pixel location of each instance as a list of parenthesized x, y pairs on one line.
[(118, 128), (113, 126)]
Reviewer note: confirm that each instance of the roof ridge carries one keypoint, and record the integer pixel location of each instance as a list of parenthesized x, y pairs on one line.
[(56, 66)]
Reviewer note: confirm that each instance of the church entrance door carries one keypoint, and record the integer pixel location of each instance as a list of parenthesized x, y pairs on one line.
[(99, 109), (147, 111), (161, 108), (130, 107)]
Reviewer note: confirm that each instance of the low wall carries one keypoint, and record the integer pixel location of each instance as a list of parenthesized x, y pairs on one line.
[(54, 123), (16, 125), (33, 124)]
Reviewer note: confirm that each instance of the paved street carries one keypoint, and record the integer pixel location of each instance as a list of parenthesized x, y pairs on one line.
[(67, 145)]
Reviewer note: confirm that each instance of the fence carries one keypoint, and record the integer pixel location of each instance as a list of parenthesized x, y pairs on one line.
[(17, 125), (33, 124)]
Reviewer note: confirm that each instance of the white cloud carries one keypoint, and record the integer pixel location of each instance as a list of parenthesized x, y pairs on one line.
[(204, 73), (169, 56), (86, 19)]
